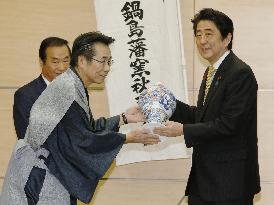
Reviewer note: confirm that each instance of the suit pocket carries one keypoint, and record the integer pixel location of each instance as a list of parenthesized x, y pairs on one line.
[(231, 155)]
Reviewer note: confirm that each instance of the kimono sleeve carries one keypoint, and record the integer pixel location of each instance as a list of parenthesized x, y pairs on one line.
[(102, 124), (79, 157)]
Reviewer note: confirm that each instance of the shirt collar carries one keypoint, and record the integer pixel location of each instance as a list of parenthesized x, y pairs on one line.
[(46, 80), (220, 60)]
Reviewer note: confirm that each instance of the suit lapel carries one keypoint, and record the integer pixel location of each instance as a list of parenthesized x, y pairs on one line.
[(202, 90), (41, 84), (216, 82)]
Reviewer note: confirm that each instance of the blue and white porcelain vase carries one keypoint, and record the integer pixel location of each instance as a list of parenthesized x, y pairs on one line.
[(158, 104)]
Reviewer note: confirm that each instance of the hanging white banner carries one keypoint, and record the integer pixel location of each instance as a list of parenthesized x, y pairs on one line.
[(148, 49)]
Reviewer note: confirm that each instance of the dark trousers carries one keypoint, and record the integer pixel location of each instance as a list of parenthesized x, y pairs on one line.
[(195, 200)]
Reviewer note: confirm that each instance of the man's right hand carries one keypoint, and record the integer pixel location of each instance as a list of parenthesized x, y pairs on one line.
[(171, 129), (142, 136)]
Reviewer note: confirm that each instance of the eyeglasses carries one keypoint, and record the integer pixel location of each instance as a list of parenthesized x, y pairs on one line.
[(109, 62)]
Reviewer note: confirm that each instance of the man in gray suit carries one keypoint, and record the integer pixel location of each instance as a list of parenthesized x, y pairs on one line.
[(54, 57), (222, 128)]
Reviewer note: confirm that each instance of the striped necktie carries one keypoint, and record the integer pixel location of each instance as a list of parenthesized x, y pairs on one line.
[(209, 77)]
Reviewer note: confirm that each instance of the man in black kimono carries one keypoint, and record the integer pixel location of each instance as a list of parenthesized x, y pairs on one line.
[(65, 151)]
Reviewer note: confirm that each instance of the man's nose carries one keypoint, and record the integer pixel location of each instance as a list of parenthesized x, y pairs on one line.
[(106, 67), (203, 39), (63, 66)]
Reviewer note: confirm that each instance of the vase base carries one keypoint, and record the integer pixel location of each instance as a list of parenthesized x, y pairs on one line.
[(151, 125)]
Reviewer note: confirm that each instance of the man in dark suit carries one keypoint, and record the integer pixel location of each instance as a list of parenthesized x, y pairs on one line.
[(222, 128), (54, 57)]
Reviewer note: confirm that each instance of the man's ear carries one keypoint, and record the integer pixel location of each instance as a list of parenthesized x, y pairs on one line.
[(81, 61), (228, 39), (41, 63)]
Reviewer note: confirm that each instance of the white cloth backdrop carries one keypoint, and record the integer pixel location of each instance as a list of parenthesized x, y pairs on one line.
[(148, 49)]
